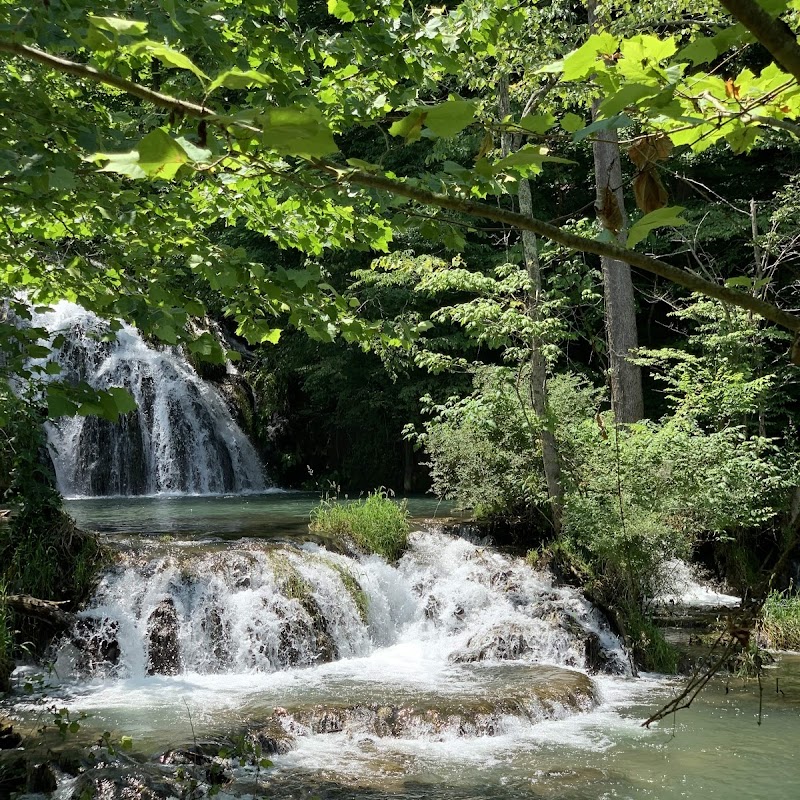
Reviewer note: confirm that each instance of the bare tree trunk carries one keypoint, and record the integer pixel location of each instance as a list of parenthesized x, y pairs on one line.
[(626, 378), (551, 460), (538, 383)]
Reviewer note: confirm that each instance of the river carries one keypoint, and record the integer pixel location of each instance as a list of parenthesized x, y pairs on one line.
[(458, 673)]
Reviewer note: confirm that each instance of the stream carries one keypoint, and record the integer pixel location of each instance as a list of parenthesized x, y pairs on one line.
[(227, 651), (460, 672)]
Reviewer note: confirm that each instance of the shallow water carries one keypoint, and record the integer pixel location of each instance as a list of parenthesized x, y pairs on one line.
[(500, 729), (272, 513)]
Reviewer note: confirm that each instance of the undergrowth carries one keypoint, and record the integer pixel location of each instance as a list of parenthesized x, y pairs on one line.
[(377, 524), (779, 622)]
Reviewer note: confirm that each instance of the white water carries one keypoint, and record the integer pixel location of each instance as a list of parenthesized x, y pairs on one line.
[(685, 589), (451, 623), (265, 607), (527, 725), (182, 438)]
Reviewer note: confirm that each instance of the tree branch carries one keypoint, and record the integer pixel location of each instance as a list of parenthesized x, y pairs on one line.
[(394, 186), (773, 33)]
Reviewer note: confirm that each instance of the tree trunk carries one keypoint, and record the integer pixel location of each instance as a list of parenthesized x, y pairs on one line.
[(538, 383), (551, 460), (626, 378), (49, 611)]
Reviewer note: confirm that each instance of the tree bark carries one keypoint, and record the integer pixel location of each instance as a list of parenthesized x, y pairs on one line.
[(46, 610), (551, 460), (627, 402), (538, 382)]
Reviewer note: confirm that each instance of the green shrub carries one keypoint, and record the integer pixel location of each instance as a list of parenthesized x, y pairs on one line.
[(376, 524), (651, 651), (779, 622)]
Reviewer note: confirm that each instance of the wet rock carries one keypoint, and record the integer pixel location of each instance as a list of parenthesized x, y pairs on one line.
[(598, 659), (550, 694), (13, 772), (163, 655), (273, 738), (432, 608), (8, 737), (218, 634), (97, 643), (41, 778), (500, 642), (142, 782)]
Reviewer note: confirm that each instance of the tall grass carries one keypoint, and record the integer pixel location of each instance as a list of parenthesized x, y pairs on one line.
[(376, 524), (779, 622)]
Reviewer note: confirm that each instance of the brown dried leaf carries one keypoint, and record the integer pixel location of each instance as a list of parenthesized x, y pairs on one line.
[(649, 150), (649, 192)]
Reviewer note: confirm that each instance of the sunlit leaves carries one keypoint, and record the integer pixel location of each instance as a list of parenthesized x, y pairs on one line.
[(158, 155), (169, 56), (297, 130), (239, 79), (446, 119), (662, 217), (117, 25)]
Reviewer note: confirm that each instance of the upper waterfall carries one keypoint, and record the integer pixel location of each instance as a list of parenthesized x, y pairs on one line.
[(181, 439)]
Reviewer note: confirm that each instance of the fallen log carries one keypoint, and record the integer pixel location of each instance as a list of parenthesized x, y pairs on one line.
[(47, 610)]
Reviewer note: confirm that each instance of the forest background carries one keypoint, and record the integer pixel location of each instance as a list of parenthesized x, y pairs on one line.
[(411, 228)]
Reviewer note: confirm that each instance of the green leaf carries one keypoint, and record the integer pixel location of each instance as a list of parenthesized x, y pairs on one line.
[(200, 155), (58, 405), (298, 131), (240, 79), (586, 59), (168, 56), (529, 155), (628, 95), (272, 336), (121, 163), (660, 218), (572, 122), (537, 123), (118, 25), (126, 743), (619, 121), (739, 280), (341, 10), (700, 50), (448, 119), (123, 400), (160, 156), (410, 127)]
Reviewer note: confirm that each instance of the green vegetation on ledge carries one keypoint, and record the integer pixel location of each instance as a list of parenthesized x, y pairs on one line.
[(779, 624), (376, 524)]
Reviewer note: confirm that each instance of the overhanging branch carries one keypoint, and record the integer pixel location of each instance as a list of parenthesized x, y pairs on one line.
[(572, 241)]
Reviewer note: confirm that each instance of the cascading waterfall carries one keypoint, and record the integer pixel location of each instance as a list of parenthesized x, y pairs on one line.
[(256, 607), (325, 661), (182, 437)]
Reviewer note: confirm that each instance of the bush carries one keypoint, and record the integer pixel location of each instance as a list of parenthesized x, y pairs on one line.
[(376, 524), (779, 622)]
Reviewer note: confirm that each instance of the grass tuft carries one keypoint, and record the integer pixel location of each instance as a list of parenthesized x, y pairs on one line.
[(779, 622), (377, 524)]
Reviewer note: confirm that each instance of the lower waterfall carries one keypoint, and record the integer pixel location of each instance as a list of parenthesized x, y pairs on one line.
[(181, 439)]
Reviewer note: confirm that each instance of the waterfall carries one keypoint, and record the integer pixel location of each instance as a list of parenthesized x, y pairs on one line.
[(265, 607), (182, 437)]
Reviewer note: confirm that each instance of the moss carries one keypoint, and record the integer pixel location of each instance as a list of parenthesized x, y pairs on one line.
[(355, 591), (291, 582), (376, 524)]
